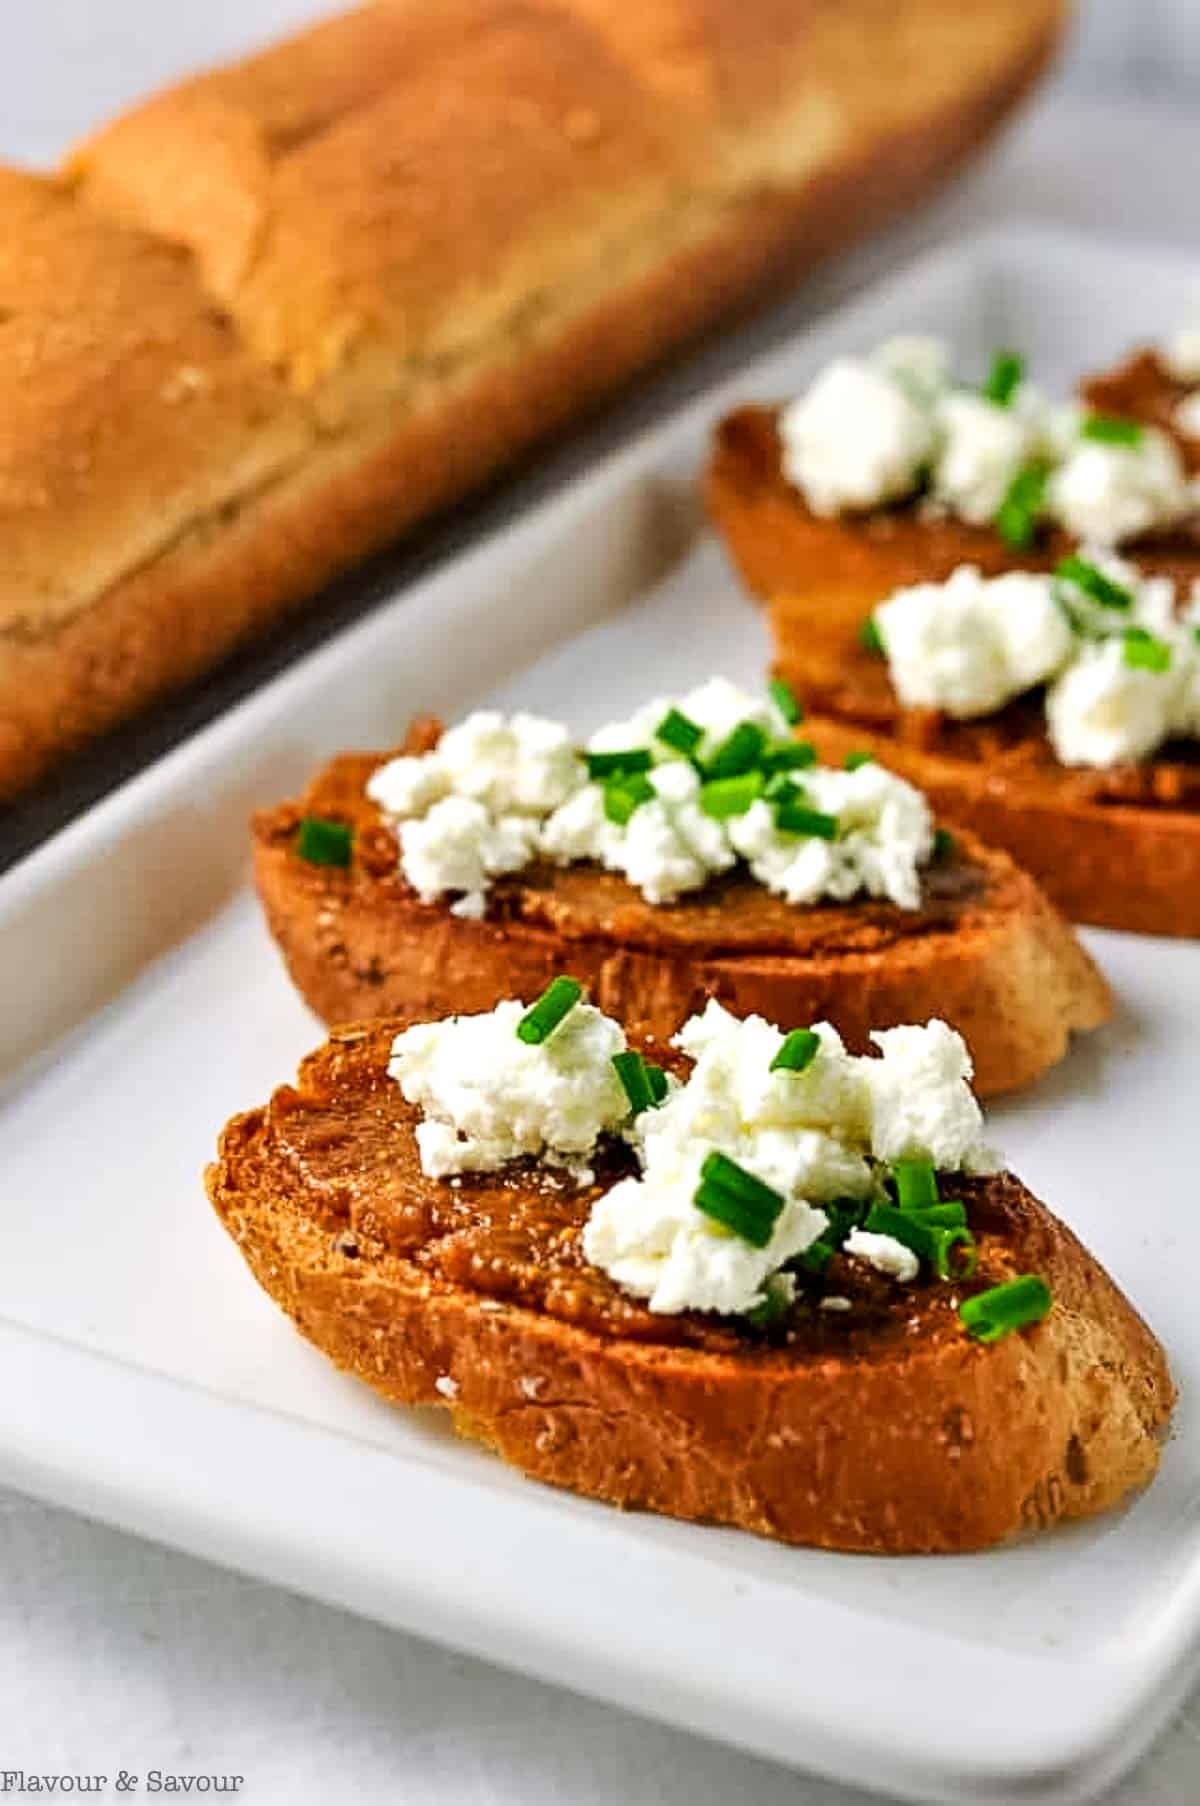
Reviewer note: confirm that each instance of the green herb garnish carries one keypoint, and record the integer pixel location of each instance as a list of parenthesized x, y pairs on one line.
[(624, 794), (871, 639), (737, 1200), (1018, 517), (1144, 651), (1091, 580), (725, 797), (789, 755), (916, 1184), (1004, 378), (817, 1256), (1110, 429), (740, 751), (679, 732), (786, 701), (776, 1302), (856, 760), (799, 1050), (950, 1213), (324, 842), (1003, 1308), (944, 845), (618, 764), (644, 1085), (797, 818), (955, 1254), (542, 1018)]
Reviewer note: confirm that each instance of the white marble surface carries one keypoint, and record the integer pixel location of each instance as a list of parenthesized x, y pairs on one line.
[(114, 1653)]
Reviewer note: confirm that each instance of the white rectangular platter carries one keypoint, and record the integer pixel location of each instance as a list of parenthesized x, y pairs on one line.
[(146, 1381)]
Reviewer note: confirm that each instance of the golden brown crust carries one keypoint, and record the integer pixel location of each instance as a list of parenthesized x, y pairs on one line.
[(854, 1437), (432, 236), (1120, 849), (986, 953)]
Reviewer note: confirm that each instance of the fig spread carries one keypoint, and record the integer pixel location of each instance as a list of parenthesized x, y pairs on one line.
[(344, 1137)]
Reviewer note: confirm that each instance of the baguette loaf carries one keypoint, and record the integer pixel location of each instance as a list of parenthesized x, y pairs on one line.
[(1118, 848), (270, 318), (985, 951), (882, 1427)]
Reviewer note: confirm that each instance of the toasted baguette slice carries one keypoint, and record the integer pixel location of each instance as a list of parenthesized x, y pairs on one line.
[(780, 547), (1142, 388), (881, 1428), (986, 952), (1117, 848)]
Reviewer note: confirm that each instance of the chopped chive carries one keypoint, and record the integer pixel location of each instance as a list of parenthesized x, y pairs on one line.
[(324, 842), (678, 731), (946, 1263), (794, 818), (931, 1241), (631, 1070), (737, 1200), (950, 1213), (618, 764), (780, 789), (798, 1051), (817, 1256), (870, 638), (902, 1226), (856, 760), (542, 1018), (622, 795), (1004, 378), (1013, 1305), (776, 1302), (916, 1184), (1110, 429), (786, 701), (1092, 581), (645, 1085), (1143, 651), (944, 845), (844, 1215), (740, 751), (789, 755), (1017, 520), (725, 797)]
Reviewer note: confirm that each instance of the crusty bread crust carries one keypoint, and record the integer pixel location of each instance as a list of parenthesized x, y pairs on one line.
[(1105, 851), (927, 1445), (1001, 966), (333, 208)]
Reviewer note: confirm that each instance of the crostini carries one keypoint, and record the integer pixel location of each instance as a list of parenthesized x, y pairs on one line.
[(1057, 714), (696, 849), (886, 472), (745, 1277)]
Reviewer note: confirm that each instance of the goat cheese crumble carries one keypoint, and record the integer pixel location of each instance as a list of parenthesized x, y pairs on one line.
[(487, 1097), (969, 645), (1181, 354), (856, 440), (880, 429), (1187, 415), (816, 1136), (497, 793), (972, 644), (1111, 493)]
